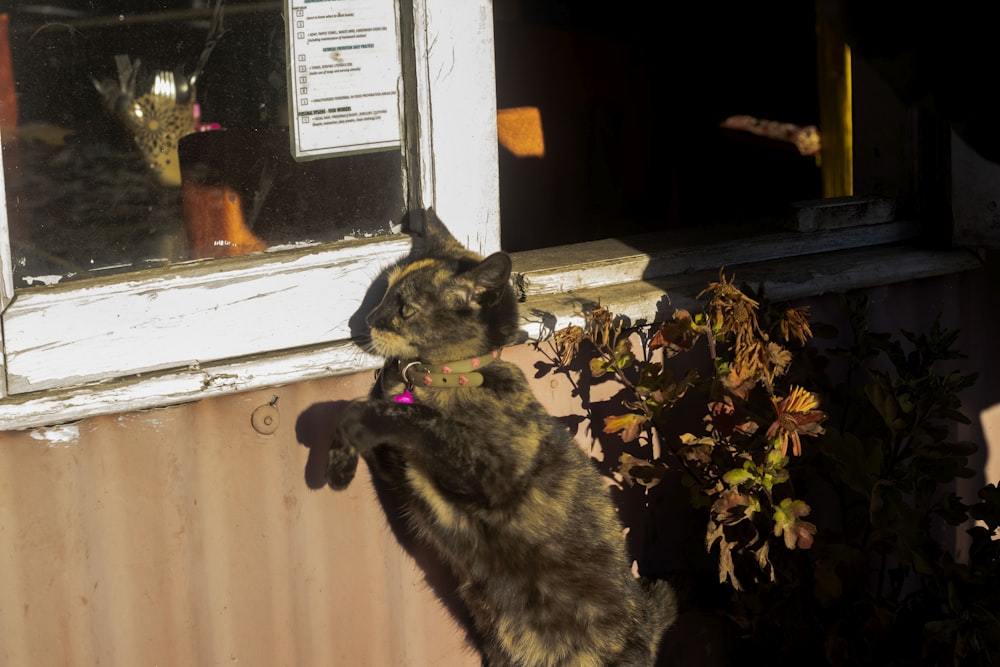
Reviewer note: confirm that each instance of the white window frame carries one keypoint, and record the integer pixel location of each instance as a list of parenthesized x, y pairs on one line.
[(169, 336)]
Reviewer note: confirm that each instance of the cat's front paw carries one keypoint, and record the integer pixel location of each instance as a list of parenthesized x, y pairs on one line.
[(341, 466), (343, 458)]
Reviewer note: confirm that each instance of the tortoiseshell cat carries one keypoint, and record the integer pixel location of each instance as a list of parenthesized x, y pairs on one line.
[(496, 485)]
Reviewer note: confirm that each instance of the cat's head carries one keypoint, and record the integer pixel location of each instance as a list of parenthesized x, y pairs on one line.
[(447, 304)]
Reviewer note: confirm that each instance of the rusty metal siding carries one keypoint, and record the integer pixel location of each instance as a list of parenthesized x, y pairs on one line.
[(183, 537)]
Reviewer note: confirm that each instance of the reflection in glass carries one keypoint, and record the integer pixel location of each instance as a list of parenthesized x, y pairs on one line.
[(150, 132)]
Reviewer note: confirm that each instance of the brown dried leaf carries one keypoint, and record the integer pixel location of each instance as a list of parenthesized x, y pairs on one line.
[(567, 343), (678, 335), (727, 569), (639, 471), (764, 561), (737, 383), (600, 326), (779, 360), (696, 449), (795, 324)]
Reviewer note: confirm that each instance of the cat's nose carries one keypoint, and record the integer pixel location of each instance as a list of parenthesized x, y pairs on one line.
[(377, 318)]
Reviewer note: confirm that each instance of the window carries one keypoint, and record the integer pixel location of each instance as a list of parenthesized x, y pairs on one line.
[(631, 105), (635, 145), (175, 332), (161, 134), (149, 332)]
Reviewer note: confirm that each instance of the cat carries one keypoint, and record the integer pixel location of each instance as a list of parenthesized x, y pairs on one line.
[(498, 487)]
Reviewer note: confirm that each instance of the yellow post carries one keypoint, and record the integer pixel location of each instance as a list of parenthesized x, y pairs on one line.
[(836, 121)]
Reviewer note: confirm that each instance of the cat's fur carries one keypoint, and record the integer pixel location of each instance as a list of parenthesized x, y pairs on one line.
[(495, 484)]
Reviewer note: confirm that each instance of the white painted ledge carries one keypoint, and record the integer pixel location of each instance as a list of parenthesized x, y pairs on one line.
[(182, 386), (784, 279)]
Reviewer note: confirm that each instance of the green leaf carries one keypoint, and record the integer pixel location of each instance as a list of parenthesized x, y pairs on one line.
[(953, 510), (956, 416), (624, 360), (775, 459), (886, 502), (599, 367), (788, 522), (628, 425), (738, 476), (883, 402), (988, 511), (771, 479), (858, 464), (651, 375), (833, 568)]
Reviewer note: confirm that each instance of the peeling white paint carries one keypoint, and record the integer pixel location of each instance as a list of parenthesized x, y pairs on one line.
[(42, 280), (128, 420), (173, 388), (255, 306), (62, 436), (292, 246)]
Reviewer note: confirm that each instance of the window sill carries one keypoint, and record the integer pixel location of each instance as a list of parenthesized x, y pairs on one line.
[(783, 279), (631, 277), (164, 389)]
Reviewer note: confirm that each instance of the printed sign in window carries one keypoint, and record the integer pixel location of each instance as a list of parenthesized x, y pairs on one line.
[(344, 76)]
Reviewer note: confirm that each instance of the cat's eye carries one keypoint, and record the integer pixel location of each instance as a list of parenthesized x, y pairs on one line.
[(406, 311)]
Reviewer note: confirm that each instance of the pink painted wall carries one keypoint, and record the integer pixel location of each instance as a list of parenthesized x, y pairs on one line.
[(183, 537)]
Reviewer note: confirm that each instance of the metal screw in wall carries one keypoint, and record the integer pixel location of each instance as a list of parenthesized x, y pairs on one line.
[(265, 418)]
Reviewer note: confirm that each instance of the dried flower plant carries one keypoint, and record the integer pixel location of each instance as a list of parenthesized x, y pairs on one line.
[(869, 584), (739, 464)]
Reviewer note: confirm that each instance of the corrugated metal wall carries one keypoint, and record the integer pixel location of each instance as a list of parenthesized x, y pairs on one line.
[(182, 536)]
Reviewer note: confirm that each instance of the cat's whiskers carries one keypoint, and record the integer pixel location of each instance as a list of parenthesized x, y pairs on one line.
[(360, 354), (387, 345)]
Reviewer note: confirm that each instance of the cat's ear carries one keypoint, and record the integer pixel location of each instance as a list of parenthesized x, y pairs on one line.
[(485, 282), (436, 235), (490, 277)]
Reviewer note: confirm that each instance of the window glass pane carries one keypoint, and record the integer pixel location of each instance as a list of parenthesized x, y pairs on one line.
[(115, 162), (630, 108)]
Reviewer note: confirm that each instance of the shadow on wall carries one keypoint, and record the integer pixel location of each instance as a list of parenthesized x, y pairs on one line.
[(695, 639), (314, 429)]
